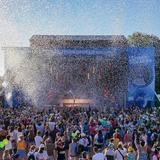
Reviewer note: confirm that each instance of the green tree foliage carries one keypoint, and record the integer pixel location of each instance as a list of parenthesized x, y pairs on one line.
[(138, 39)]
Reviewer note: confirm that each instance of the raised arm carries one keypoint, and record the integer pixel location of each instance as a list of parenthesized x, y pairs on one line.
[(135, 141)]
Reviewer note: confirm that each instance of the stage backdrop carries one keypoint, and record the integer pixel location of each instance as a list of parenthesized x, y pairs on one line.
[(141, 79)]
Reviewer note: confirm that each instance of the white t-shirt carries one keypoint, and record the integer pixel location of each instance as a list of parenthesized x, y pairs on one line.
[(109, 152), (98, 156), (12, 135), (40, 127), (38, 140), (42, 156), (83, 141), (19, 134), (8, 146), (118, 155), (15, 133), (51, 125)]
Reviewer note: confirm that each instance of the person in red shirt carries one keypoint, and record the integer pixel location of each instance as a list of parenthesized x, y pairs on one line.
[(127, 137), (92, 128), (117, 134)]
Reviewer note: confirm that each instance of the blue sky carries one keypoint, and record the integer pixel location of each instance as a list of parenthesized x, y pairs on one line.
[(20, 19), (80, 17)]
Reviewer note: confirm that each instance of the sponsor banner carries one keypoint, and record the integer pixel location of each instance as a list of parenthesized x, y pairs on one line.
[(141, 79)]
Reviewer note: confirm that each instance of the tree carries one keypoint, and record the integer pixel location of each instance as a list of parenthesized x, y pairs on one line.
[(138, 39)]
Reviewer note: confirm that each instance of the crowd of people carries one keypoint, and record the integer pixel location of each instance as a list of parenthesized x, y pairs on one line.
[(60, 133)]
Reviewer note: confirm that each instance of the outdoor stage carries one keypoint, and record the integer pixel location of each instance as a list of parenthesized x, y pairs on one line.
[(83, 70)]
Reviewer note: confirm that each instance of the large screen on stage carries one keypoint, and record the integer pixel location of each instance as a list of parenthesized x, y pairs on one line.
[(141, 80)]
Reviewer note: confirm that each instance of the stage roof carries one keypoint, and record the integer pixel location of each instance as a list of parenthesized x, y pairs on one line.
[(79, 37), (80, 41)]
